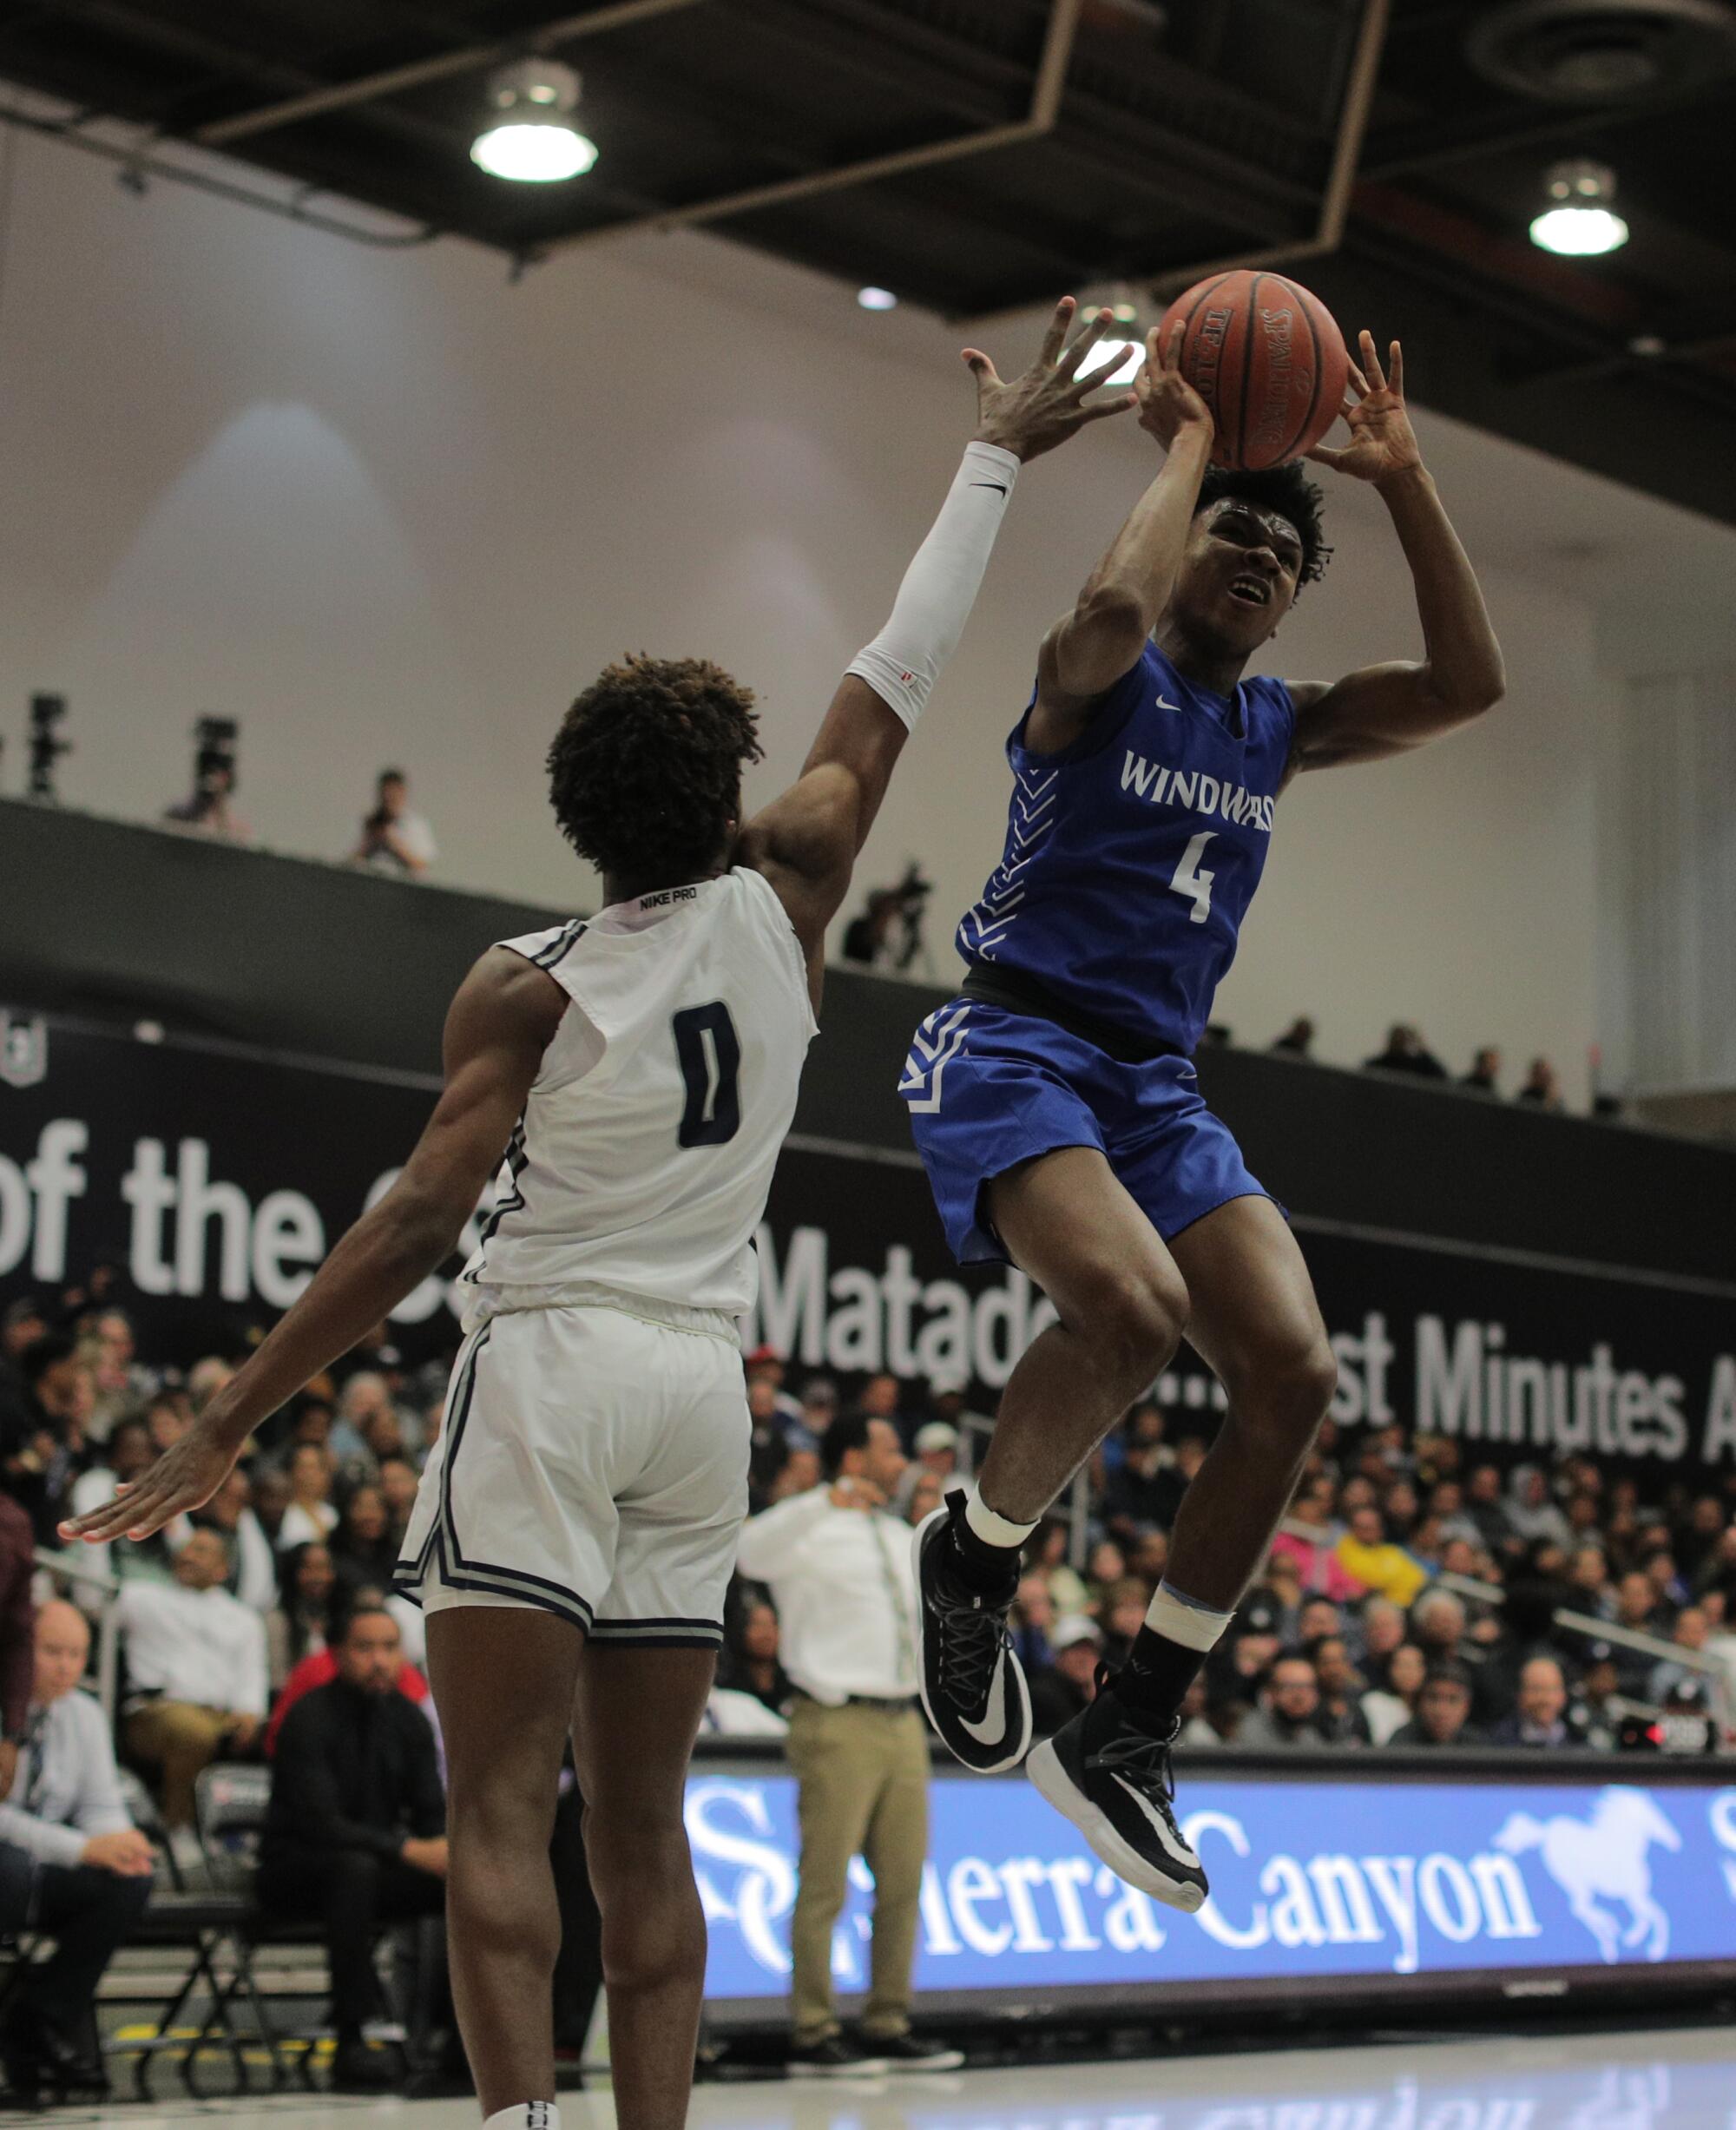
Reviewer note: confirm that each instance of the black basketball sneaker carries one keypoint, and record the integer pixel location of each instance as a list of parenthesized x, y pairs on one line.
[(973, 1686), (1117, 1790)]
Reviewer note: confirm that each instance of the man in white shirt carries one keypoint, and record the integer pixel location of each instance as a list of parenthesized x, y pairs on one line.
[(196, 1665), (72, 1864), (839, 1572)]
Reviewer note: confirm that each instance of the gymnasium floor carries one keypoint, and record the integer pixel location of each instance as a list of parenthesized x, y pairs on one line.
[(1655, 2080)]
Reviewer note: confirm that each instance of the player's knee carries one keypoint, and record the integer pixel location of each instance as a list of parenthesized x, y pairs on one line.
[(1289, 1388), (1136, 1319)]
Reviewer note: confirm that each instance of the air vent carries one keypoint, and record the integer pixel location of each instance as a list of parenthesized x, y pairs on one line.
[(1604, 51)]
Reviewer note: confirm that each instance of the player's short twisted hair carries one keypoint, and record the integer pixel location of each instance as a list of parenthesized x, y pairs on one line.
[(1286, 489), (645, 773)]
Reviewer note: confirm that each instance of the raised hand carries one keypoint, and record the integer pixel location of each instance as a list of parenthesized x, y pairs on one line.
[(1382, 442), (1050, 401), (1167, 403), (183, 1478)]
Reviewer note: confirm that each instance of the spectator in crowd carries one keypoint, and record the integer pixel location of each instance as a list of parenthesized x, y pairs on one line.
[(1437, 1625), (310, 1514), (1406, 1052), (119, 1385), (399, 1483), (1340, 1719), (1373, 1562), (297, 1626), (839, 1570), (1289, 1713), (1531, 1514), (937, 1450), (1486, 1508), (18, 1633), (1389, 1707), (1484, 1076), (196, 1665), (364, 1545), (1443, 1710), (1540, 1717), (23, 1323), (925, 1496), (1310, 1538), (766, 1364), (1141, 1495), (318, 1667), (1692, 1631), (394, 838), (1637, 1609), (1033, 1617), (355, 1836), (40, 1455), (1382, 1631), (1297, 1040), (882, 1399), (72, 1864), (751, 1665), (368, 1425), (272, 1498), (252, 1566), (818, 1404), (1542, 1085), (1068, 1682)]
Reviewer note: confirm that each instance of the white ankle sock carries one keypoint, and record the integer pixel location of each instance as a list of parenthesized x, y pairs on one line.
[(1183, 1619), (527, 2115), (994, 1530)]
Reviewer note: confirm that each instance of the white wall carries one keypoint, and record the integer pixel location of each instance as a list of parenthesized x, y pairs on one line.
[(386, 507)]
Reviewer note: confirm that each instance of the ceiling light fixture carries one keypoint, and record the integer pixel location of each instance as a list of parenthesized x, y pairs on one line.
[(529, 136), (876, 299), (1579, 222)]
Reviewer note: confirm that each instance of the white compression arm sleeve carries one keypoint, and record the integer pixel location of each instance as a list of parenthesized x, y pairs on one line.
[(940, 586)]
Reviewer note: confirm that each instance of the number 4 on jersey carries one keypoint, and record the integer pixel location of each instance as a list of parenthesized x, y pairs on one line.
[(1188, 880), (710, 1055)]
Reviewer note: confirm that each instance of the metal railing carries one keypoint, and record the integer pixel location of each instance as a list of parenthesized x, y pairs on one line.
[(1587, 1625)]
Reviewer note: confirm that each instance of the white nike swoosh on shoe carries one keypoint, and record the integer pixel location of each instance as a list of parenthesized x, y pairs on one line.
[(1176, 1849), (988, 1732)]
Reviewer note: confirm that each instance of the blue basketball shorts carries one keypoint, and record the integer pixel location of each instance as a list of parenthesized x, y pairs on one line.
[(987, 1090)]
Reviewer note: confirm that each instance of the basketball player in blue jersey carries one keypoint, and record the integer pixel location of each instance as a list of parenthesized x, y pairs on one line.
[(578, 1521), (1053, 1102)]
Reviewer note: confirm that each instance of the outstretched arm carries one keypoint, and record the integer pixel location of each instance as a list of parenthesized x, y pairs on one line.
[(1384, 710), (805, 842), (1088, 650), (502, 1020)]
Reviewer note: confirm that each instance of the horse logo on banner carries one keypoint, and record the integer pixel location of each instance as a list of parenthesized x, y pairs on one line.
[(1600, 1860)]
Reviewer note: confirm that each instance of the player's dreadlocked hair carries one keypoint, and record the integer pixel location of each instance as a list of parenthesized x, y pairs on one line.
[(645, 773), (1286, 489)]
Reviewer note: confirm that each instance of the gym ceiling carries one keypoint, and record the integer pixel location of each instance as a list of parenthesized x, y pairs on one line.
[(976, 156)]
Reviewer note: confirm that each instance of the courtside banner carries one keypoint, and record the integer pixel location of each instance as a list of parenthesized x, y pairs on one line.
[(215, 1179), (1311, 1880)]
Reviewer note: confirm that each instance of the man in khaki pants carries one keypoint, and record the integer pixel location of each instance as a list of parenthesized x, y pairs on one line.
[(838, 1567)]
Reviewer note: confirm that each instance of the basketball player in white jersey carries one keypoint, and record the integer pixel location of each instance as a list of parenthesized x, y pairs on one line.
[(577, 1522)]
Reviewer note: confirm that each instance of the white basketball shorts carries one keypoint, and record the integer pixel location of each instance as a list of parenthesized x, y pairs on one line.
[(593, 1464)]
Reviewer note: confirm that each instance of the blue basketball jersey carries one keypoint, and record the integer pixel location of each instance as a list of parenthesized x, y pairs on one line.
[(1132, 856)]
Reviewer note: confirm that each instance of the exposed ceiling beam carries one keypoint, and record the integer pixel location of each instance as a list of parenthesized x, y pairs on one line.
[(1045, 107), (440, 66)]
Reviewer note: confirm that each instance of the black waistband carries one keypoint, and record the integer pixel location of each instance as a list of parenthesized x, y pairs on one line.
[(1020, 994)]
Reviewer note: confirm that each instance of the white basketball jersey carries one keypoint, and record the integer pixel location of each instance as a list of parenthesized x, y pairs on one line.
[(645, 1153)]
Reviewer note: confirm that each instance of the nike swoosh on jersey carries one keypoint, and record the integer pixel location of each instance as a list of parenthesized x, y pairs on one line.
[(1177, 1850), (1167, 706), (999, 487), (983, 1734)]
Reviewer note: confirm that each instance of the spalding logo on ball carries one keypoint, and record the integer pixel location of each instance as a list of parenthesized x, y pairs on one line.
[(1267, 360)]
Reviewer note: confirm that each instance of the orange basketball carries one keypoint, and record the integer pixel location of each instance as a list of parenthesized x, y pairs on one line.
[(1267, 357)]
